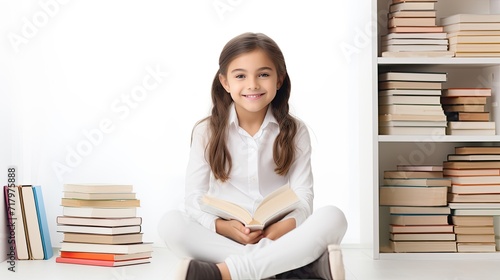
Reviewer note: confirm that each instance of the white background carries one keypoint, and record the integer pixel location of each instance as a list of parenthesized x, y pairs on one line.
[(67, 66)]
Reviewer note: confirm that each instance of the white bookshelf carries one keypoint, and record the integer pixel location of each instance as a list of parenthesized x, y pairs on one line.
[(390, 150)]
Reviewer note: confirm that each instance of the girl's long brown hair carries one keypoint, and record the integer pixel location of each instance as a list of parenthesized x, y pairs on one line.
[(284, 148)]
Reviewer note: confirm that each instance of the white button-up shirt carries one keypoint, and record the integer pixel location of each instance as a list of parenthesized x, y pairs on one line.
[(252, 175)]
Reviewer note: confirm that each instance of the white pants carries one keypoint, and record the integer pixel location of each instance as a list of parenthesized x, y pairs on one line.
[(299, 247)]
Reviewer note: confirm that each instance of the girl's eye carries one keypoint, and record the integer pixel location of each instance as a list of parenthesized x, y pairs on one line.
[(264, 75), (240, 76)]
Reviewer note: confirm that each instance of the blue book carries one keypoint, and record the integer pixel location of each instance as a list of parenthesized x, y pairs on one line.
[(42, 222)]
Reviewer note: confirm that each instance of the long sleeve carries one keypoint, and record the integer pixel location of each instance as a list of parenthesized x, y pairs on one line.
[(198, 178), (300, 175)]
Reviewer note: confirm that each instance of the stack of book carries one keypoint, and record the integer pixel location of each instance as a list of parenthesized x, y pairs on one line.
[(473, 35), (412, 31), (27, 223), (409, 103), (467, 112), (419, 213), (474, 233), (474, 173), (100, 226)]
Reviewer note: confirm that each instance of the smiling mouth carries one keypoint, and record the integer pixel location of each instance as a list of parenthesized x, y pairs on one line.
[(253, 95)]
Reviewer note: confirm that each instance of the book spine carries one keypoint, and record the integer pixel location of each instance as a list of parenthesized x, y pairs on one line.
[(42, 222)]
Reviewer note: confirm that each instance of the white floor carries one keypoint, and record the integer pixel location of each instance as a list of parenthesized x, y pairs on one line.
[(358, 262)]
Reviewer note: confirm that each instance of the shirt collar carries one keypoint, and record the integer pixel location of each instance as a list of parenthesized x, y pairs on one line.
[(269, 118)]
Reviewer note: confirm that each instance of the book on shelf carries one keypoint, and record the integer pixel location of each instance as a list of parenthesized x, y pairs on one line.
[(92, 212), (476, 197), (471, 164), (409, 85), (423, 246), (476, 247), (412, 76), (411, 5), (409, 99), (413, 123), (275, 206), (411, 21), (431, 167), (481, 238), (473, 33), (421, 229), (413, 92), (403, 41), (398, 174), (98, 229), (103, 238), (115, 203), (474, 157), (476, 212), (97, 188), (461, 26), (32, 226), (473, 221), (459, 18), (410, 109), (413, 48), (423, 210), (413, 196), (476, 54), (401, 1), (107, 248), (42, 222), (101, 262), (419, 182), (463, 39), (422, 236), (98, 196), (463, 100), (474, 229), (416, 29), (403, 117), (467, 116), (475, 92), (476, 132), (414, 54), (414, 219), (476, 189), (482, 150), (491, 47), (464, 108), (412, 14), (411, 130), (454, 206), (471, 172), (105, 256), (108, 222), (416, 35)]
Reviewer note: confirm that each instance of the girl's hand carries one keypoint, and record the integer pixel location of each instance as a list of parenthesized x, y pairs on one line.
[(237, 231), (279, 229)]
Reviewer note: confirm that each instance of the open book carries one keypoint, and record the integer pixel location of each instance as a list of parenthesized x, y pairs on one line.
[(274, 207)]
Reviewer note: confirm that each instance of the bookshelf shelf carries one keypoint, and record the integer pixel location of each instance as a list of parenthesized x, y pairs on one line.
[(391, 150)]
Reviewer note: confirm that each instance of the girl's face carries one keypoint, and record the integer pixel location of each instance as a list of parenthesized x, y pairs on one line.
[(252, 81)]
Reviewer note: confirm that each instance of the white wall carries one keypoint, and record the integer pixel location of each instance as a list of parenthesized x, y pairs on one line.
[(68, 68)]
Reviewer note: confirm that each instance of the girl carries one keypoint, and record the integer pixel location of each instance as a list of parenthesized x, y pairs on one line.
[(248, 147)]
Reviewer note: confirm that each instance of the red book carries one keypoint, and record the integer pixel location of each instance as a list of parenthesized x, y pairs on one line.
[(104, 256), (102, 263)]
